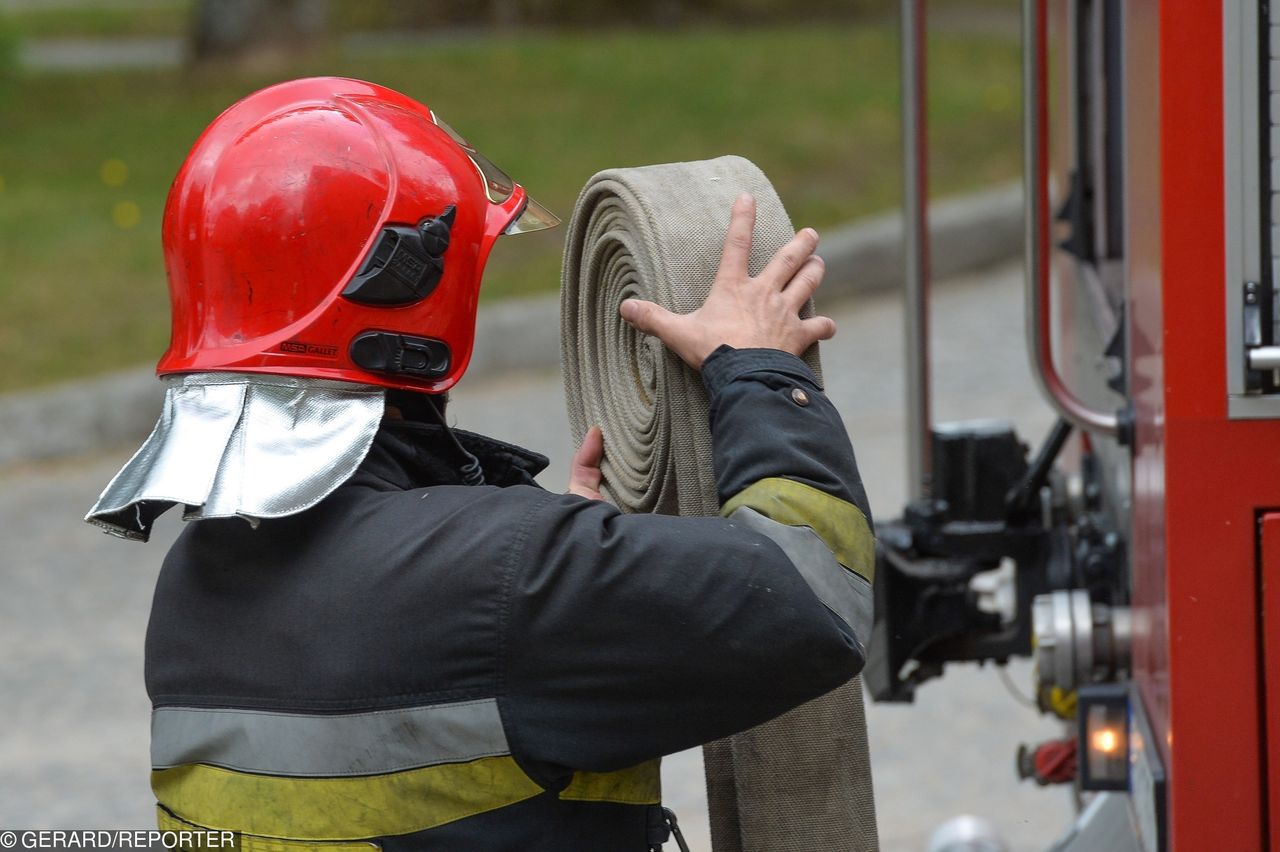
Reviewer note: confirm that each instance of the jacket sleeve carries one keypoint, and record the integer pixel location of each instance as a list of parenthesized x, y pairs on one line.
[(632, 636)]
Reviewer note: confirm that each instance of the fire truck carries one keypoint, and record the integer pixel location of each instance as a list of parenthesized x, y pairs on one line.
[(1141, 538)]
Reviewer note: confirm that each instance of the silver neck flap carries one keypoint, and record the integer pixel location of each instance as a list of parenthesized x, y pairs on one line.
[(242, 445)]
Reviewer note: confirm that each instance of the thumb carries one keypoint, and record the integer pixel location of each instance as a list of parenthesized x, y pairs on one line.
[(645, 316), (584, 473)]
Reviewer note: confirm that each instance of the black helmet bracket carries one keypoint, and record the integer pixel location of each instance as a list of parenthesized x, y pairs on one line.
[(405, 265)]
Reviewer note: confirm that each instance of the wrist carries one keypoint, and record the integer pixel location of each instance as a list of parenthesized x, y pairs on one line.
[(726, 364)]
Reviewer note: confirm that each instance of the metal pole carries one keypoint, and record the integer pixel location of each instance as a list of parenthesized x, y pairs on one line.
[(915, 209)]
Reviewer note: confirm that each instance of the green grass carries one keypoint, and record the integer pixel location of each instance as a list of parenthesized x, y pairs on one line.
[(173, 17), (816, 108), (159, 18)]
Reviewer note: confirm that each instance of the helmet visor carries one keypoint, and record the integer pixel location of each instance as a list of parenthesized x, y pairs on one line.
[(534, 217), (499, 186)]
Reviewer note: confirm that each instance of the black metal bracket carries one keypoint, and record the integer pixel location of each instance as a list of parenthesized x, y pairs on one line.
[(405, 265)]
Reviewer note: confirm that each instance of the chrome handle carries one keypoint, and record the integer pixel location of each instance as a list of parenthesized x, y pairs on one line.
[(1263, 358), (1036, 193)]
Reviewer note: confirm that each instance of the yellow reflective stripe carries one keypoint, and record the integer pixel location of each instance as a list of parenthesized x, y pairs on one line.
[(341, 808), (840, 524), (639, 785), (166, 821)]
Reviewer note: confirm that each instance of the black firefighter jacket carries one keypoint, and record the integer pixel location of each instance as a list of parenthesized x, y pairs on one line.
[(425, 665)]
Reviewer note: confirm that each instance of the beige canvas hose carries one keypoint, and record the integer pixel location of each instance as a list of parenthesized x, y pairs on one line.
[(803, 781)]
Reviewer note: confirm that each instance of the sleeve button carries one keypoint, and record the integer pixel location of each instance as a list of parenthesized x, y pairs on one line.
[(799, 397)]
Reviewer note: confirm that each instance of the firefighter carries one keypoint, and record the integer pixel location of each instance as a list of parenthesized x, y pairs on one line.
[(380, 629)]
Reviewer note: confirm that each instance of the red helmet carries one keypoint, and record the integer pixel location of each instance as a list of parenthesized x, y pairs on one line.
[(333, 229)]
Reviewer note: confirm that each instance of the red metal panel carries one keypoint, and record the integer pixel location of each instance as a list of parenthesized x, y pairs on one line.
[(1270, 568), (1215, 471), (1212, 616), (1143, 258)]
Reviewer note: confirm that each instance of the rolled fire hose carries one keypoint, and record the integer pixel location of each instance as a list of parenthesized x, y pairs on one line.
[(801, 782)]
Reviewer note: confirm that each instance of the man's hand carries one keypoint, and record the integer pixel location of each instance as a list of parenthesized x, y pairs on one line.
[(584, 473), (744, 312)]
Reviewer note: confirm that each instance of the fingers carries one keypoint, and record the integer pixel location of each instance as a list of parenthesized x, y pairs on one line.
[(584, 472), (817, 328), (592, 450), (805, 282), (680, 332), (646, 316), (782, 267), (737, 240)]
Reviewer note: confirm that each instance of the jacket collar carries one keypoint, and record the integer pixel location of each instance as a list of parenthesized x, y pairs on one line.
[(408, 454)]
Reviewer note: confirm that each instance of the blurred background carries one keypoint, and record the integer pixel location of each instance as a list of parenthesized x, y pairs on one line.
[(100, 101)]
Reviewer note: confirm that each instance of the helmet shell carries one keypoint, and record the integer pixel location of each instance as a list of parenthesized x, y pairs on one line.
[(277, 207)]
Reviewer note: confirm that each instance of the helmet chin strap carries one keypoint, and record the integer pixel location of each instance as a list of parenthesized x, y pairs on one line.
[(470, 469), (423, 407)]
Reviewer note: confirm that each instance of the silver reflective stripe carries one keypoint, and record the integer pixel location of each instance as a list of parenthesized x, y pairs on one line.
[(310, 745), (840, 590)]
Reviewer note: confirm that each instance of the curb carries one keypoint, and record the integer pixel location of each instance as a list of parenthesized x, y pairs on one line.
[(966, 233)]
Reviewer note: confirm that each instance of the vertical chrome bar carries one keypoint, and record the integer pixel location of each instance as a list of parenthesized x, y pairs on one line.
[(915, 210)]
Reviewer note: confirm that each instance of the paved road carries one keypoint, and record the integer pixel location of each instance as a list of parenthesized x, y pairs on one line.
[(73, 715)]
